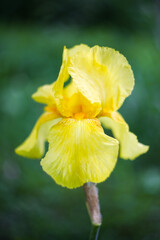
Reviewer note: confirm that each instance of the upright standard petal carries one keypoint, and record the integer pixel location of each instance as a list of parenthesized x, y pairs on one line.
[(79, 152), (91, 105), (44, 94), (58, 88), (120, 80), (130, 148), (103, 73), (33, 146)]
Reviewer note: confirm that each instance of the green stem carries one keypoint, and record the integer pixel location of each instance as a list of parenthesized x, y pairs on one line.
[(92, 202), (94, 232)]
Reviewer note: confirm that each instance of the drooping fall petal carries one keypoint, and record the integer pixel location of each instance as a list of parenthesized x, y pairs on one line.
[(130, 148), (79, 152), (33, 146)]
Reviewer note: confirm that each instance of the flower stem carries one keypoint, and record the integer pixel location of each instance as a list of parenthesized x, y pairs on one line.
[(94, 232), (92, 202)]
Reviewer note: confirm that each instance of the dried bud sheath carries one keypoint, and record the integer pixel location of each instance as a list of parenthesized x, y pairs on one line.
[(92, 202)]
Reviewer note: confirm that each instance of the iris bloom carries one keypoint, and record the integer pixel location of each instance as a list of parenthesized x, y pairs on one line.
[(79, 150)]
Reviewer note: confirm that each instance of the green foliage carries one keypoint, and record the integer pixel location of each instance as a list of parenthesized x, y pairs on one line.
[(32, 206), (129, 15)]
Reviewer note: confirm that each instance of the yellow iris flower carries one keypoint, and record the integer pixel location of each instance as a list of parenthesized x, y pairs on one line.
[(79, 150)]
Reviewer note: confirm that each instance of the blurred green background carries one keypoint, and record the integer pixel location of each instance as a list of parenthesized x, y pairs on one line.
[(32, 36)]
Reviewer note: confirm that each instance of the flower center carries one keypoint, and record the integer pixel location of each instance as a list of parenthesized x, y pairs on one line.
[(79, 115)]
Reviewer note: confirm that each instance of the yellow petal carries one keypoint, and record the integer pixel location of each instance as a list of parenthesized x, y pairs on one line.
[(75, 102), (91, 106), (79, 152), (33, 146), (102, 75), (130, 148), (84, 74), (44, 95), (71, 99), (59, 84)]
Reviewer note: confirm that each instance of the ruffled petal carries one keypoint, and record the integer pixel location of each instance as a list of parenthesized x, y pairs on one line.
[(86, 75), (91, 106), (102, 75), (44, 95), (130, 148), (79, 152), (120, 80), (33, 146)]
